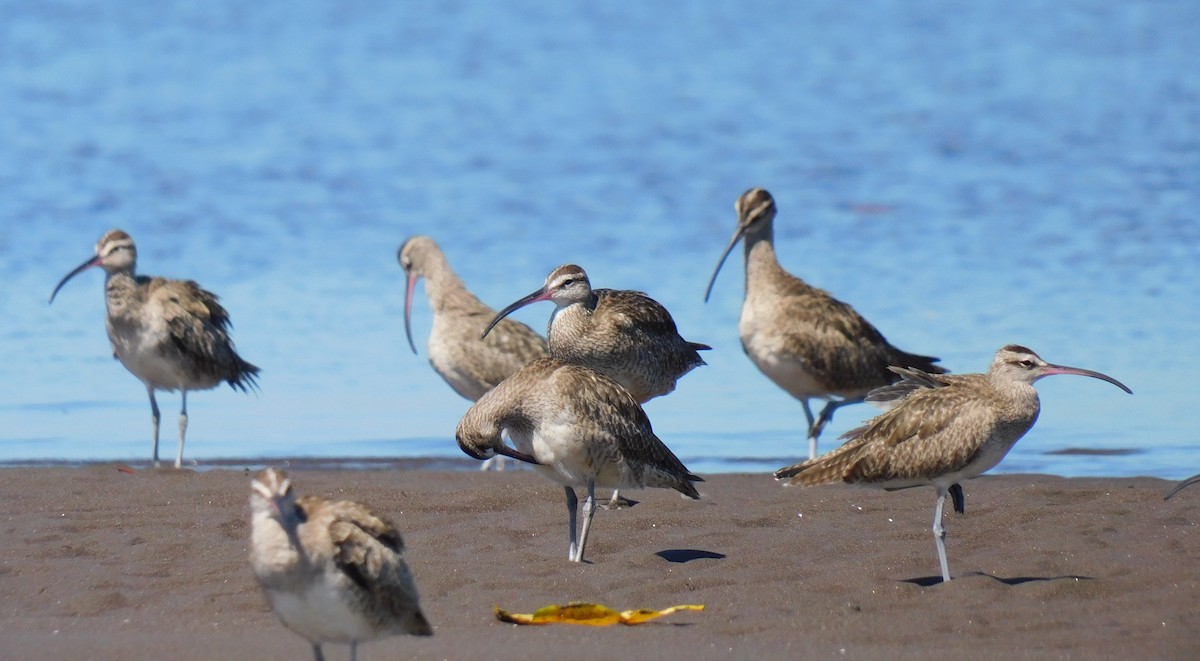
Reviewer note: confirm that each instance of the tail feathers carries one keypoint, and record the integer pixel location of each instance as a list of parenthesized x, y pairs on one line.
[(416, 624), (687, 488), (923, 363), (699, 347), (244, 376)]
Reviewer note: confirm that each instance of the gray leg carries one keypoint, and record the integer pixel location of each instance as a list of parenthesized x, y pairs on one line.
[(572, 510), (154, 417), (182, 431), (354, 650), (814, 431), (317, 653), (939, 533), (589, 508), (812, 441)]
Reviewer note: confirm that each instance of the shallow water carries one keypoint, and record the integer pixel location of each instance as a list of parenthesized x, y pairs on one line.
[(965, 176)]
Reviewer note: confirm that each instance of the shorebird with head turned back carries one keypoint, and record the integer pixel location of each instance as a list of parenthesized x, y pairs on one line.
[(470, 362), (578, 428), (943, 429), (332, 570), (170, 334), (806, 341)]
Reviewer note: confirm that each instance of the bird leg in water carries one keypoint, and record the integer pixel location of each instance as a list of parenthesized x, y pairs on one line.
[(318, 655), (182, 430), (589, 508), (154, 418), (939, 533)]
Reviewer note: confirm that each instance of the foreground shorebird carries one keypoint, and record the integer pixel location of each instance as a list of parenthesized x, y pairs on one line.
[(332, 570), (170, 334), (470, 362), (806, 341), (944, 429), (578, 428)]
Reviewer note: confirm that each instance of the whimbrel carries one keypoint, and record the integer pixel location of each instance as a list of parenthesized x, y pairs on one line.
[(806, 341), (623, 334), (578, 428), (470, 362), (332, 570), (1182, 484), (944, 429), (170, 334)]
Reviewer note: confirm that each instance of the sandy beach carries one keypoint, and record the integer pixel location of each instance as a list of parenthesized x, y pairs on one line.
[(101, 562)]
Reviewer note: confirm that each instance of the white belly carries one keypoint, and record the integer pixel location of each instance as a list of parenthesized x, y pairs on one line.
[(320, 614)]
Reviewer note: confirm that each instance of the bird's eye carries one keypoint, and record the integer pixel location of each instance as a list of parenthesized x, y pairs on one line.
[(1026, 363), (568, 282)]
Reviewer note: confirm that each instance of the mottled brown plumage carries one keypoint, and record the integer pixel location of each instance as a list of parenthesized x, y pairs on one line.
[(170, 334), (805, 340), (469, 362), (942, 430), (332, 570), (623, 334), (579, 428)]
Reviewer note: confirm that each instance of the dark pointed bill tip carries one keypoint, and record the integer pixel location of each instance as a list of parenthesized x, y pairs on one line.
[(408, 296), (1063, 369), (539, 295), (90, 262), (737, 235)]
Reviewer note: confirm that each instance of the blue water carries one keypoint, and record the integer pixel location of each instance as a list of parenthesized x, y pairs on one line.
[(965, 174)]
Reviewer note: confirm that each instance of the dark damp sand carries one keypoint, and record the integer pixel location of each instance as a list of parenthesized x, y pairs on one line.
[(100, 563)]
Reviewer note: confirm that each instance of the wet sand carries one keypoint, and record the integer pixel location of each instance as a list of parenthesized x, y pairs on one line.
[(100, 563)]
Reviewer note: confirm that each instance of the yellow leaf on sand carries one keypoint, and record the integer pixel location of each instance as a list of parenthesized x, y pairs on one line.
[(597, 615)]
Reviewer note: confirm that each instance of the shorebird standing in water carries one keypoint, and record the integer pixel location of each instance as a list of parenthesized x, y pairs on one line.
[(470, 362), (332, 570), (578, 428), (806, 341), (943, 429), (170, 334), (623, 334)]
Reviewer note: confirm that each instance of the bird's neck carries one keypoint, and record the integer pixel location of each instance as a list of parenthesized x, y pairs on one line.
[(121, 290), (762, 266), (445, 289), (276, 546)]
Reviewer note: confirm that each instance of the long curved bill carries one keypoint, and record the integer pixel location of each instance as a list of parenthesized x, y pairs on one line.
[(1063, 369), (91, 261), (517, 454), (1179, 487), (737, 236), (408, 296), (539, 295)]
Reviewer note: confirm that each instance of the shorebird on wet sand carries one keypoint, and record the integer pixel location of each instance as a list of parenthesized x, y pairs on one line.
[(623, 334), (170, 334), (578, 428), (332, 570), (1181, 486), (806, 341), (469, 362), (943, 429)]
